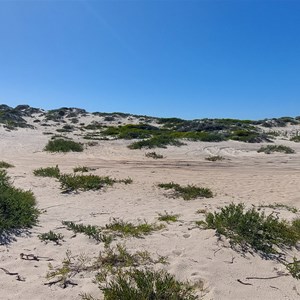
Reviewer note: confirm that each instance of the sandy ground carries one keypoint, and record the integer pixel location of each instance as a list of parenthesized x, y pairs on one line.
[(193, 254)]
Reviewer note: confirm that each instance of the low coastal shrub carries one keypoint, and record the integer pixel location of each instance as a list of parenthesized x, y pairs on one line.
[(17, 207), (47, 172), (153, 155), (51, 236), (5, 165), (82, 169), (63, 145), (92, 231), (124, 229), (187, 192), (252, 229), (160, 141), (276, 148), (295, 138), (137, 284), (215, 158), (74, 182), (166, 217)]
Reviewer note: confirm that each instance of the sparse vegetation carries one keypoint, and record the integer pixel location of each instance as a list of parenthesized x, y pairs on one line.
[(125, 181), (74, 182), (187, 192), (251, 229), (5, 165), (123, 229), (63, 145), (295, 138), (215, 158), (51, 236), (17, 207), (294, 268), (292, 209), (91, 231), (82, 169), (166, 217), (47, 172), (153, 155), (147, 284), (276, 148), (160, 141)]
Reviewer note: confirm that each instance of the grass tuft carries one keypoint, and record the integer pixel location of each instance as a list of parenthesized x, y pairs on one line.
[(47, 172), (5, 165), (154, 155), (124, 229), (147, 284), (215, 158), (187, 192), (73, 182), (166, 217), (51, 236)]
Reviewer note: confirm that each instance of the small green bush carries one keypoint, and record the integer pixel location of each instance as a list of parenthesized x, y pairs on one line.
[(295, 138), (47, 172), (187, 192), (82, 169), (215, 158), (153, 155), (294, 268), (147, 284), (251, 229), (91, 231), (63, 145), (160, 141), (276, 148), (128, 229), (74, 182), (166, 217), (5, 165), (17, 207), (51, 236)]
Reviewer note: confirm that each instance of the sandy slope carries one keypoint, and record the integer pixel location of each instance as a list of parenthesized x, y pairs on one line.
[(193, 254)]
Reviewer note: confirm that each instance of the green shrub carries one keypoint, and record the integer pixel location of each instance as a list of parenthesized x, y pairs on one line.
[(166, 217), (82, 169), (5, 165), (251, 229), (17, 207), (63, 145), (160, 141), (91, 231), (74, 182), (128, 229), (294, 268), (47, 172), (147, 284), (187, 192), (215, 158), (125, 181), (276, 148), (51, 236), (295, 139), (153, 155)]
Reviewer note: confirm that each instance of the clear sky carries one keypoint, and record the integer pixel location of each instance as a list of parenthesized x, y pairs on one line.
[(189, 59)]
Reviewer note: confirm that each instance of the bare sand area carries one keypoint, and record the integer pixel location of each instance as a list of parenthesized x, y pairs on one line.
[(193, 254)]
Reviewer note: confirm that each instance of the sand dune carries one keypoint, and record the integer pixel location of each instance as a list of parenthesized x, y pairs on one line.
[(193, 254)]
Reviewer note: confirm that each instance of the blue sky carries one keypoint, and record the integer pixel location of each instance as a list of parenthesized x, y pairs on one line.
[(189, 59)]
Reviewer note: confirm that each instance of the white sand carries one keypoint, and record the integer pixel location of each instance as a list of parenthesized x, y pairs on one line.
[(193, 254)]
